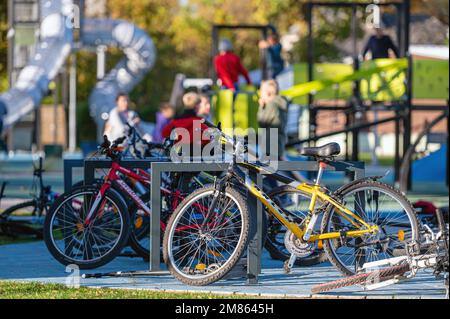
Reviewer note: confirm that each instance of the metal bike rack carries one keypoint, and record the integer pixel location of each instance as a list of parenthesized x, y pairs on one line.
[(255, 243), (157, 166), (69, 165), (90, 165)]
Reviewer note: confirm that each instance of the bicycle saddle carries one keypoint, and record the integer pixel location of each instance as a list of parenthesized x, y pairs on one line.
[(327, 150)]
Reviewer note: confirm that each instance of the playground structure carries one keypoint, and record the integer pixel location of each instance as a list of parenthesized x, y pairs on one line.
[(353, 90), (63, 30), (394, 86)]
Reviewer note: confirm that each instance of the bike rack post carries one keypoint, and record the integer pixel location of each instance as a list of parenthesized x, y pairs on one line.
[(254, 249), (69, 165)]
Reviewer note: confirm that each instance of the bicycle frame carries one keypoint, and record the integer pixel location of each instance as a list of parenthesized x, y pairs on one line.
[(114, 177), (143, 177), (316, 192)]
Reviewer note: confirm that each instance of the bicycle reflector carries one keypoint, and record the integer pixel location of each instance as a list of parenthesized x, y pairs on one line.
[(401, 235), (200, 266), (320, 244), (138, 222)]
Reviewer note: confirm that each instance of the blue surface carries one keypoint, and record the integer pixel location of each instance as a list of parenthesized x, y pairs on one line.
[(32, 262), (431, 168)]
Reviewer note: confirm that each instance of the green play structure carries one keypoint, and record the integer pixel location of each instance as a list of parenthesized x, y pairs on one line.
[(380, 80)]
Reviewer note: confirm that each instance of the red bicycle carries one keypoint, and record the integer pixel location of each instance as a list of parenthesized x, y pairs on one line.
[(90, 225)]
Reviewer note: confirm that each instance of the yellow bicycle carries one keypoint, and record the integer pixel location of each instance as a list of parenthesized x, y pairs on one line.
[(364, 221)]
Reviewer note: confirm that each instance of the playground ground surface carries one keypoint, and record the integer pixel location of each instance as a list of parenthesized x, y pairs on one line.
[(31, 262)]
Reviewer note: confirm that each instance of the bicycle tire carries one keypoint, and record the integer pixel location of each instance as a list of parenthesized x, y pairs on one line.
[(14, 229), (364, 278), (408, 208), (238, 251), (110, 255)]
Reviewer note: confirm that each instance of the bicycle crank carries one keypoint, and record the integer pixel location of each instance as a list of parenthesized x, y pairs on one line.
[(297, 247)]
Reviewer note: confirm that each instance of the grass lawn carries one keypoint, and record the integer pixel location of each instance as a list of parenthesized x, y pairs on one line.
[(16, 290), (382, 160)]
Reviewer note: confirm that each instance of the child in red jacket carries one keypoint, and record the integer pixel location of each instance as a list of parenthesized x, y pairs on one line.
[(188, 123)]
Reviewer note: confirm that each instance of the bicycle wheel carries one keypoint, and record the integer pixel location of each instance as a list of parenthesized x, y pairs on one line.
[(23, 220), (377, 204), (367, 278), (71, 241), (296, 203), (200, 250)]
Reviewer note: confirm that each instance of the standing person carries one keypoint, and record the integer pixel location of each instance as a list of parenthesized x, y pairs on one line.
[(119, 116), (163, 117), (228, 66), (379, 45), (204, 109), (3, 146), (272, 113), (275, 63)]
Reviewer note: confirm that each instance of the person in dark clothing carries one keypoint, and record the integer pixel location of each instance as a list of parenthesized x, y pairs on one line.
[(275, 63), (163, 117), (3, 111), (379, 45)]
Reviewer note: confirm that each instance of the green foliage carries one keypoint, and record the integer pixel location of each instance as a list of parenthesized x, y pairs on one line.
[(35, 290), (182, 35), (86, 128), (3, 46)]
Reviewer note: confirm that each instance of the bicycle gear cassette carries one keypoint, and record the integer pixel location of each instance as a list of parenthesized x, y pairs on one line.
[(296, 247)]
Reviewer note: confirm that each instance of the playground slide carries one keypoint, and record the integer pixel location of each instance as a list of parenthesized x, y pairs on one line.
[(319, 85), (139, 58), (53, 49), (50, 53)]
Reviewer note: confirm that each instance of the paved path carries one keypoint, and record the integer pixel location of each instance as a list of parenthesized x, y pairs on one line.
[(32, 262)]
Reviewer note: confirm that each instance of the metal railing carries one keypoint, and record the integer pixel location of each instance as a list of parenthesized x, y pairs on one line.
[(356, 169)]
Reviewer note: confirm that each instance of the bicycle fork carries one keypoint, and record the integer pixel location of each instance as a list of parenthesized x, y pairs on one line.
[(99, 199)]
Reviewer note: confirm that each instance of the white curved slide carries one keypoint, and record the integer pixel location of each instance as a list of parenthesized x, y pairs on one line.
[(53, 49), (139, 58), (50, 54)]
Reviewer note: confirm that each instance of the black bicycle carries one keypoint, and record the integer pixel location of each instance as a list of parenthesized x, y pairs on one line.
[(26, 219)]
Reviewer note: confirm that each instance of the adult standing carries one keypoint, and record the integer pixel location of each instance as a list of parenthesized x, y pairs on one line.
[(379, 45), (275, 62)]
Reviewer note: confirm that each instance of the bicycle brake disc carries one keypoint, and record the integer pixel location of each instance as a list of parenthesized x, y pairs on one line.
[(296, 246)]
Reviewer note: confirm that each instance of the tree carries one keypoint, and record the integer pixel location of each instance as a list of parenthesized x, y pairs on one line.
[(3, 45)]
